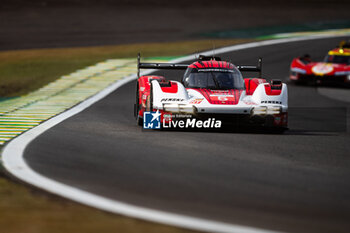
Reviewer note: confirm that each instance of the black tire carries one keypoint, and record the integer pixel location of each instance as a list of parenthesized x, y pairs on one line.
[(139, 120), (149, 102), (151, 98)]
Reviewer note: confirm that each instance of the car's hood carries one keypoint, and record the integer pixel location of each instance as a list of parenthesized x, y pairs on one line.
[(321, 68)]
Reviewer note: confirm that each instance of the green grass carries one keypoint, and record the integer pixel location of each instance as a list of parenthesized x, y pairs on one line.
[(27, 70), (25, 210)]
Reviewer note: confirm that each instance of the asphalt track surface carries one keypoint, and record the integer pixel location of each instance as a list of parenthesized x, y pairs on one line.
[(295, 182)]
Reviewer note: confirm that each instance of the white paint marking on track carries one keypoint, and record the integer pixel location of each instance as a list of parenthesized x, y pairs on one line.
[(14, 163)]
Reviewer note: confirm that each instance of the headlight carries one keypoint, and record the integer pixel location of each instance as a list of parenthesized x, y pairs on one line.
[(348, 78), (267, 110), (183, 108), (298, 70), (261, 110), (273, 110)]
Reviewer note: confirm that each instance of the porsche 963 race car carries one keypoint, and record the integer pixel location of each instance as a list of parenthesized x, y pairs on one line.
[(212, 88)]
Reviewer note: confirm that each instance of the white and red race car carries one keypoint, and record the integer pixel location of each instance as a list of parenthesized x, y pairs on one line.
[(212, 88)]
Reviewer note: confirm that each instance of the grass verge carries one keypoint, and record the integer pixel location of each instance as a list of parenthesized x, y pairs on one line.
[(27, 210), (26, 70)]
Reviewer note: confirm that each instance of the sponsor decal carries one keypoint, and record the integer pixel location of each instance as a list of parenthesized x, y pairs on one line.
[(321, 69), (151, 120), (249, 103), (216, 97), (220, 92), (171, 100), (196, 101), (271, 102)]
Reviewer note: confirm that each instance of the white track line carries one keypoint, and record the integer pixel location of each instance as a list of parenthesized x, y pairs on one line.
[(14, 163)]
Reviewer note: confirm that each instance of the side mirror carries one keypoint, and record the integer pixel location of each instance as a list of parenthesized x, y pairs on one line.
[(276, 84)]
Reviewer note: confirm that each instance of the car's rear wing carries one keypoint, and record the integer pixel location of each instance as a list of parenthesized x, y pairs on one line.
[(174, 66)]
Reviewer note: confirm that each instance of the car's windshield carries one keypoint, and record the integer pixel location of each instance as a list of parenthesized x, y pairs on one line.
[(338, 59), (212, 79)]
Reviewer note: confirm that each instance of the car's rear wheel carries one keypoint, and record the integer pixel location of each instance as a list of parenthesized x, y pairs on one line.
[(149, 102), (137, 106)]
